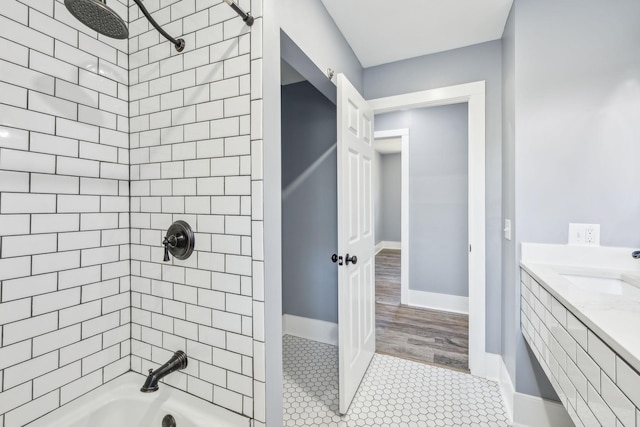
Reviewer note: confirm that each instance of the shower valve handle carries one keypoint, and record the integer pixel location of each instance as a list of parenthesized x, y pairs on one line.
[(166, 250), (169, 242), (179, 241)]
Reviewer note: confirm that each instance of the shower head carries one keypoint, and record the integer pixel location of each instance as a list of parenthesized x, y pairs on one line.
[(96, 15)]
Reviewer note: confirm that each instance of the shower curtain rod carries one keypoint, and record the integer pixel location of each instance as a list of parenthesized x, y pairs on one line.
[(179, 43), (246, 17)]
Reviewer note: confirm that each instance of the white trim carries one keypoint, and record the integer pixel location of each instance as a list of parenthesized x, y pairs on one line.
[(474, 94), (403, 134), (442, 302), (428, 98), (493, 364), (506, 389), (525, 410), (404, 220), (386, 244), (268, 158), (531, 411), (311, 329)]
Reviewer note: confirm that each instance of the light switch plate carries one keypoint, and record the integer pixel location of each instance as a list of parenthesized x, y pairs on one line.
[(507, 229)]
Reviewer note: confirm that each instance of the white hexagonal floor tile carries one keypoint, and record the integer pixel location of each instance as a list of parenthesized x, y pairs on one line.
[(394, 392)]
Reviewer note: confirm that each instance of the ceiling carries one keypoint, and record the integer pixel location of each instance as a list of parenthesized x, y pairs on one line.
[(289, 75), (382, 31), (388, 145)]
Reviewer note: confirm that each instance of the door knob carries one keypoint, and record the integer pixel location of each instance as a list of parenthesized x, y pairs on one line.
[(336, 258), (353, 259)]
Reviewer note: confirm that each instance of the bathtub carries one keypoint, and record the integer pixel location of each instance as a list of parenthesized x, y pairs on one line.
[(120, 403)]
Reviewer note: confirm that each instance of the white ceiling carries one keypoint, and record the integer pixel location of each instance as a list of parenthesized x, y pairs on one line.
[(382, 31)]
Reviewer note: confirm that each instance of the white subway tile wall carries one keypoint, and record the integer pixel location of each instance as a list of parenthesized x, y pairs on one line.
[(64, 209), (595, 384), (191, 155), (103, 144)]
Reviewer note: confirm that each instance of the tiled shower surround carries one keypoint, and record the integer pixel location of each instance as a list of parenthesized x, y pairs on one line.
[(64, 221), (103, 144), (191, 160)]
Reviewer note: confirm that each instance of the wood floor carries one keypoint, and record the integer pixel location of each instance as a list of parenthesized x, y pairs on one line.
[(427, 336)]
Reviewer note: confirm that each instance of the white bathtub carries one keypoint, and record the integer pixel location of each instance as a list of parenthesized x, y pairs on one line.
[(120, 403)]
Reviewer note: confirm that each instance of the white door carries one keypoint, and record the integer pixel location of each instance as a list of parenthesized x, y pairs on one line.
[(356, 281)]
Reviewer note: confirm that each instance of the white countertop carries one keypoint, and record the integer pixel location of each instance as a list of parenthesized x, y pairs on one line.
[(614, 318)]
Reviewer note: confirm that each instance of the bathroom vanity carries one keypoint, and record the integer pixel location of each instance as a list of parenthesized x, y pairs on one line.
[(580, 315)]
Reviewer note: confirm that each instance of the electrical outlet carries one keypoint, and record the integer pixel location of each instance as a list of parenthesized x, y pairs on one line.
[(592, 234), (584, 234)]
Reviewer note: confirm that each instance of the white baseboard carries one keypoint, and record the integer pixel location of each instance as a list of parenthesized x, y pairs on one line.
[(311, 329), (506, 389), (385, 244), (492, 366), (529, 411), (442, 302)]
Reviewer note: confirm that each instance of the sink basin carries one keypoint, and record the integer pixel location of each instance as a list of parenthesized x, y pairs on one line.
[(603, 285)]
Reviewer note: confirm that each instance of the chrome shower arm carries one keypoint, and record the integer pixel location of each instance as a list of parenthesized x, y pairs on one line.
[(179, 43)]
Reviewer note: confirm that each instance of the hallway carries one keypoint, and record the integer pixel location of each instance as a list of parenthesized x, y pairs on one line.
[(426, 336)]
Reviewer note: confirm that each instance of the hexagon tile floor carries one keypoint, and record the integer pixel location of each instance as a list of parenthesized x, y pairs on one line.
[(394, 392)]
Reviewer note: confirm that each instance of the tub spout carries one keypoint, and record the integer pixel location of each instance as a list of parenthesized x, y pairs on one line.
[(177, 362)]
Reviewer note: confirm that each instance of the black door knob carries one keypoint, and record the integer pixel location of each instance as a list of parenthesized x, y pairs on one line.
[(336, 258), (353, 259)]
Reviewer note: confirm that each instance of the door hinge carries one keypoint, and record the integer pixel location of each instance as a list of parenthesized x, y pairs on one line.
[(469, 248)]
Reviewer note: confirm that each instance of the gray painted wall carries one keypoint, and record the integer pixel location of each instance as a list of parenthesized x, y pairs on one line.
[(309, 203), (310, 26), (438, 180), (387, 187), (577, 103), (391, 183), (473, 63)]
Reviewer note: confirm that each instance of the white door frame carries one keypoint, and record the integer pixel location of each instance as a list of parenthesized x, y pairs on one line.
[(473, 94), (403, 134)]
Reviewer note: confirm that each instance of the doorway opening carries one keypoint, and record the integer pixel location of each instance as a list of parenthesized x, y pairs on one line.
[(309, 206), (421, 205), (324, 329), (473, 94)]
